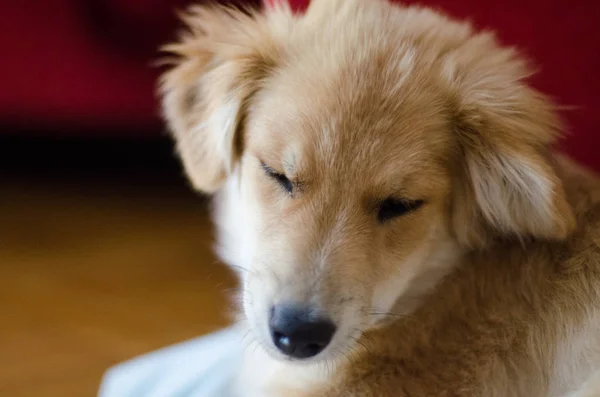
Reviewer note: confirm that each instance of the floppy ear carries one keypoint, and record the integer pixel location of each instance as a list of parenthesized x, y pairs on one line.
[(507, 184), (220, 62)]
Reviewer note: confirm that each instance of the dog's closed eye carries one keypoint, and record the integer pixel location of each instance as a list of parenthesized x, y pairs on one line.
[(391, 208), (280, 178)]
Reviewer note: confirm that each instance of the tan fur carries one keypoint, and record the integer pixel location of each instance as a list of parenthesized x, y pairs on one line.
[(491, 288)]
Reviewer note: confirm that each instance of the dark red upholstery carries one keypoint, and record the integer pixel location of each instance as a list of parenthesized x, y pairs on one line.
[(74, 63), (84, 65)]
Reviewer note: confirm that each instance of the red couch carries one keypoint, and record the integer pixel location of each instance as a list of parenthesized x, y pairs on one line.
[(78, 66), (86, 65)]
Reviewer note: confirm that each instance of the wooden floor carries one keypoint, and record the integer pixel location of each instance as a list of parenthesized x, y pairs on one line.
[(92, 274)]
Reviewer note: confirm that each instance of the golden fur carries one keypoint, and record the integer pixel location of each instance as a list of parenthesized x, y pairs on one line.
[(491, 288)]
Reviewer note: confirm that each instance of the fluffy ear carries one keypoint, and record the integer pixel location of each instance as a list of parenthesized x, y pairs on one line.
[(507, 184), (218, 64)]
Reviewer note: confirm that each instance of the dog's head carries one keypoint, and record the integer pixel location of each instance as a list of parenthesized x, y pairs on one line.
[(358, 150)]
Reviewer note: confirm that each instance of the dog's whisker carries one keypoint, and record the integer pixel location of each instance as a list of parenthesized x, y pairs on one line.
[(243, 269)]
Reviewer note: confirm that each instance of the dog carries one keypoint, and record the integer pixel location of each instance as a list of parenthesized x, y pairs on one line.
[(387, 188)]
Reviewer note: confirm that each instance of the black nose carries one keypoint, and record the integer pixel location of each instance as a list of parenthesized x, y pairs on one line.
[(298, 332)]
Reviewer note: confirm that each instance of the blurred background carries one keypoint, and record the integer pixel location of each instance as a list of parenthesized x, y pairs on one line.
[(105, 252)]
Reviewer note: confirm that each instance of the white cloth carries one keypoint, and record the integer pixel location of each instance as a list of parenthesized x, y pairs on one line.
[(202, 367)]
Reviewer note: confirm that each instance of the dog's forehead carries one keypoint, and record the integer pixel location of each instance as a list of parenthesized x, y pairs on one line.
[(351, 117)]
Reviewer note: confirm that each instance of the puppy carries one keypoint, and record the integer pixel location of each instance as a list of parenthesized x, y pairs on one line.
[(386, 187)]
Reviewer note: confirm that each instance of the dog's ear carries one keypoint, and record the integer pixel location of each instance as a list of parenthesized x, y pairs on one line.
[(218, 65), (506, 181)]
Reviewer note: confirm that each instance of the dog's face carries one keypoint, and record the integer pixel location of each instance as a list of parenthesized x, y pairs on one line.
[(358, 151), (347, 200)]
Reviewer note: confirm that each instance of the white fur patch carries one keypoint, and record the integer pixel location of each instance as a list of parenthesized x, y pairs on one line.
[(577, 362), (264, 376), (235, 235)]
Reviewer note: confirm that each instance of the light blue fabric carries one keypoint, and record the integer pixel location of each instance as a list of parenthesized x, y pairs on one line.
[(202, 367)]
